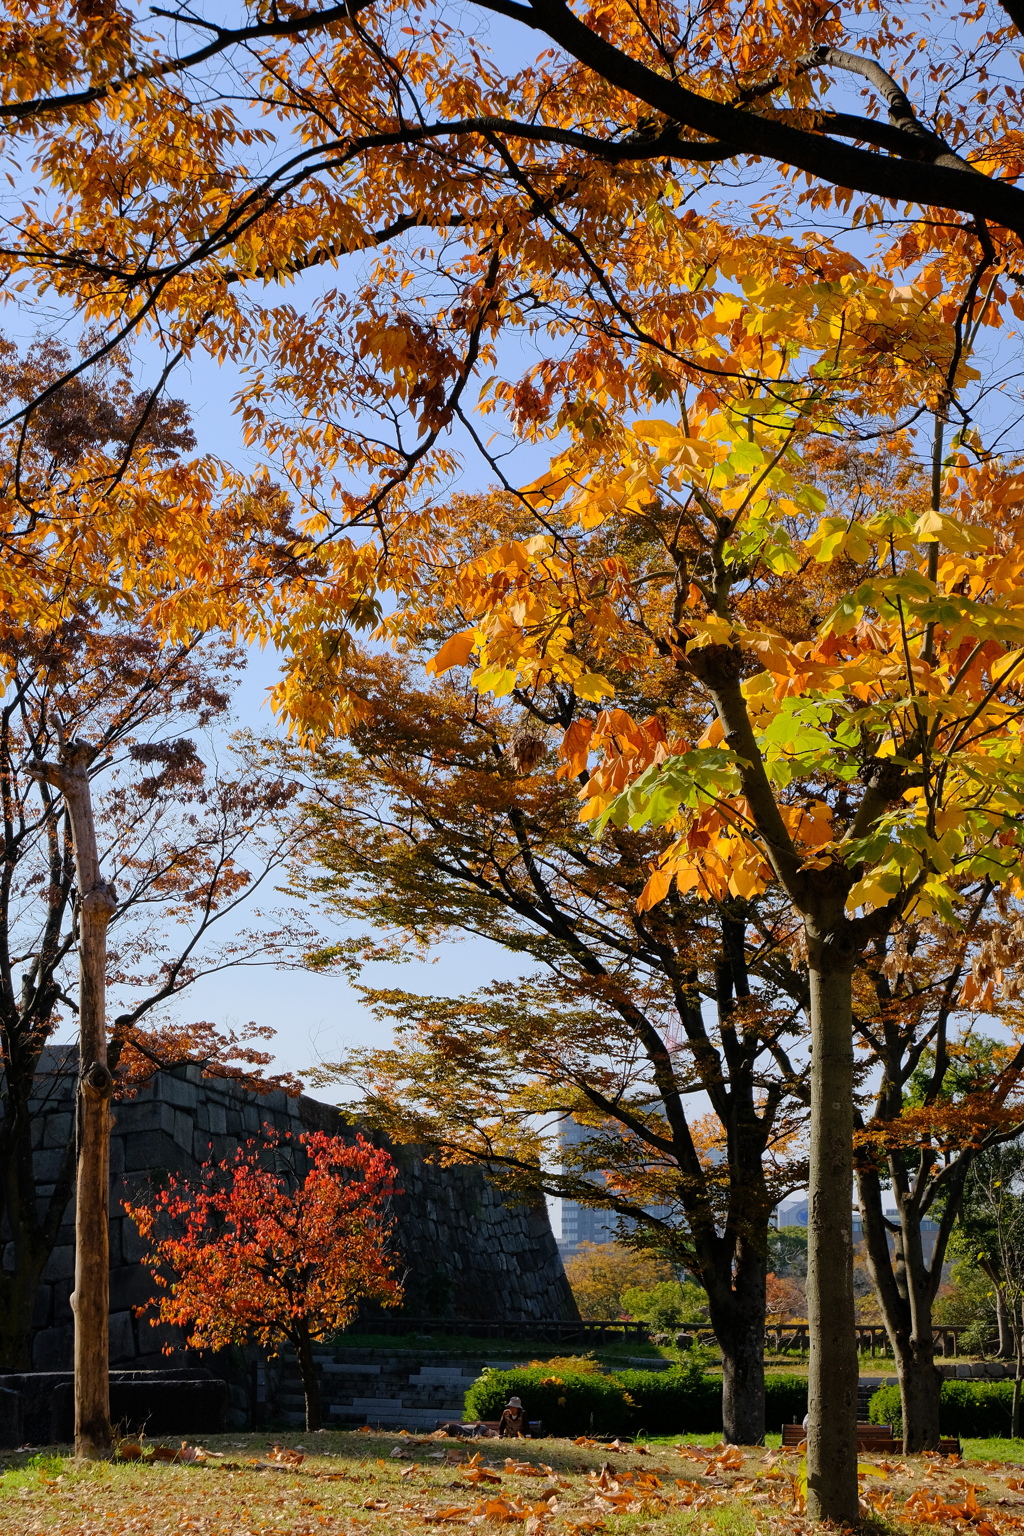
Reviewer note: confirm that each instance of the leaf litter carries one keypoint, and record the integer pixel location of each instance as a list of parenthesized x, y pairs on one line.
[(582, 1489)]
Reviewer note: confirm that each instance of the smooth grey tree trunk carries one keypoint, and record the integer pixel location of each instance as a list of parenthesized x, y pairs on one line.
[(91, 1299), (832, 1492)]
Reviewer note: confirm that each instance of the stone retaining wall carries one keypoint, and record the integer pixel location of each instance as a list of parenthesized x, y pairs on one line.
[(471, 1251)]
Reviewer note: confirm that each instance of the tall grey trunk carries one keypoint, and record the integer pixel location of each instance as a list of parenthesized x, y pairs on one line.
[(91, 1298), (832, 1492)]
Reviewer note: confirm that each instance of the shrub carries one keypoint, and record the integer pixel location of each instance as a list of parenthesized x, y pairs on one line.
[(667, 1305), (568, 1404), (672, 1402), (979, 1409)]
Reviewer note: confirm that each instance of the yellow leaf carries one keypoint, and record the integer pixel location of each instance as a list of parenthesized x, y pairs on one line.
[(656, 889), (454, 653), (592, 686)]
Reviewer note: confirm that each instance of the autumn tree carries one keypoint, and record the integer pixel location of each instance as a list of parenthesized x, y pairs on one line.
[(581, 158), (599, 1273), (281, 1244), (443, 817), (182, 856), (602, 200), (786, 1299), (942, 1095)]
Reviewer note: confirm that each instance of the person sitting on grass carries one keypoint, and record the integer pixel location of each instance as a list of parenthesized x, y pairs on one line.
[(512, 1424)]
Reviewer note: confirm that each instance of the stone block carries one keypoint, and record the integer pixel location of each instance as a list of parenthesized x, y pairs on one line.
[(138, 1116), (134, 1246), (184, 1131), (964, 1372), (152, 1149), (58, 1131), (11, 1431), (177, 1090), (53, 1348), (159, 1406), (218, 1119), (47, 1164), (122, 1337), (130, 1286), (60, 1265)]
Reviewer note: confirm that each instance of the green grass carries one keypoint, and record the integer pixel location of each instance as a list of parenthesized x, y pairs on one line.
[(505, 1349), (345, 1475)]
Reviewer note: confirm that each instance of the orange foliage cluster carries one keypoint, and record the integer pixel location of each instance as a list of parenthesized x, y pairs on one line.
[(253, 1255)]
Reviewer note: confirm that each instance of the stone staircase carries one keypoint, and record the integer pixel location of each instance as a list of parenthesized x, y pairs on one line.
[(389, 1389)]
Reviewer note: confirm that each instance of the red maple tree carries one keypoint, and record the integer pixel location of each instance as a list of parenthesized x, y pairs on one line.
[(253, 1253)]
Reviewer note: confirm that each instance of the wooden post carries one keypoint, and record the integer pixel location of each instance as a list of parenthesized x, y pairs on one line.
[(91, 1299)]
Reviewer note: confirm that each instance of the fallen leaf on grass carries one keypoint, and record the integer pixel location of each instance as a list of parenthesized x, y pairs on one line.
[(378, 1504), (452, 1512), (618, 1503), (933, 1509), (501, 1511), (282, 1456), (481, 1475), (584, 1440)]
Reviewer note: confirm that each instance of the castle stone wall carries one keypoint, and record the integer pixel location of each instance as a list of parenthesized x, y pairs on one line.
[(470, 1251)]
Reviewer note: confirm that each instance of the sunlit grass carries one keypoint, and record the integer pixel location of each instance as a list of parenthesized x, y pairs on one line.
[(354, 1484)]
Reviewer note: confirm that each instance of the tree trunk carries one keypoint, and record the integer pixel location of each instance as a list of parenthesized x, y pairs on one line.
[(1017, 1326), (310, 1381), (904, 1287), (832, 1492), (742, 1344), (91, 1298), (921, 1396), (1005, 1347)]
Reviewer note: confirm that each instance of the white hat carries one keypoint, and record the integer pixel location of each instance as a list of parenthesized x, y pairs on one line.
[(513, 1402)]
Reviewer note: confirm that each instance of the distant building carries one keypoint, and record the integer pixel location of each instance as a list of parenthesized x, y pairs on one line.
[(795, 1215), (585, 1223)]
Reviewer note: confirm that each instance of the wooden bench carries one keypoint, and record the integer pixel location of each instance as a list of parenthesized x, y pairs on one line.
[(871, 1437)]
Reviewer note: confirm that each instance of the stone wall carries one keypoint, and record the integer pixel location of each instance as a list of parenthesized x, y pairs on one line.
[(470, 1251)]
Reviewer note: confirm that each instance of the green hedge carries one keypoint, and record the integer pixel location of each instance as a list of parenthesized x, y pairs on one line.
[(978, 1409), (568, 1405), (626, 1402)]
